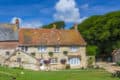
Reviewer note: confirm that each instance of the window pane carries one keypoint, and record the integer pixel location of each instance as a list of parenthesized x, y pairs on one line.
[(42, 49), (74, 61), (53, 60), (74, 48), (56, 49)]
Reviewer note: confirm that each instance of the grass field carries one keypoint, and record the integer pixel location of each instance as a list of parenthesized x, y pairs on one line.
[(6, 73)]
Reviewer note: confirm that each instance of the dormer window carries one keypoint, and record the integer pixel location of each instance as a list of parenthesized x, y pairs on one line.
[(42, 49), (74, 48), (56, 49), (24, 48)]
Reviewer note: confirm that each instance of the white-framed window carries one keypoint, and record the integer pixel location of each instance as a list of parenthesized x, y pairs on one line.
[(53, 61), (24, 48), (42, 61), (56, 49), (74, 48), (74, 61), (42, 49)]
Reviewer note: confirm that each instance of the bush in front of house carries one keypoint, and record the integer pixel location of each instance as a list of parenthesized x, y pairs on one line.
[(63, 61), (118, 63), (91, 60), (20, 68), (65, 52), (46, 62), (50, 54), (67, 66), (116, 74)]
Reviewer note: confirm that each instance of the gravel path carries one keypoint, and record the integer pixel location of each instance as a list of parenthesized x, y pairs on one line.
[(108, 67)]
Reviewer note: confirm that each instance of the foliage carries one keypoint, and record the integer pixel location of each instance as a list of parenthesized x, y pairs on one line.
[(50, 54), (92, 50), (63, 61), (46, 62), (118, 63), (116, 74), (59, 25), (103, 31), (65, 52), (67, 66), (33, 54), (21, 68), (91, 60)]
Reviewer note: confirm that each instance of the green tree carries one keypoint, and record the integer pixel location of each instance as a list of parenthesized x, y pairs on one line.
[(59, 25), (92, 50), (102, 31)]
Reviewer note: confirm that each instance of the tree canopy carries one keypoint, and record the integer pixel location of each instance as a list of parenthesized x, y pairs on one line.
[(102, 31), (59, 25)]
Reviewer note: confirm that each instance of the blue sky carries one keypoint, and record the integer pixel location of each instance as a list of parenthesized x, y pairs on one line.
[(33, 13)]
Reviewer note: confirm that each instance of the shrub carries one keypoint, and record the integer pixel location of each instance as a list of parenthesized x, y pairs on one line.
[(65, 52), (91, 61), (67, 66), (13, 78), (21, 68), (82, 68), (46, 62), (118, 63), (50, 54), (33, 54), (63, 61), (41, 64), (116, 74)]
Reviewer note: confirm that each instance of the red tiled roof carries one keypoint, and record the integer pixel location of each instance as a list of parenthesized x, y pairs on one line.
[(8, 45), (50, 37)]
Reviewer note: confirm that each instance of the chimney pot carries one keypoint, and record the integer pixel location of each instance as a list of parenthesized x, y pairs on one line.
[(17, 22), (76, 26)]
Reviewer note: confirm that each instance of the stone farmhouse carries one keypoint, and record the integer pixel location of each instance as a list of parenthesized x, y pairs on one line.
[(40, 49)]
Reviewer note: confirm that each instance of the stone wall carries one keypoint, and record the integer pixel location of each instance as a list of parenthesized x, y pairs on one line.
[(81, 52)]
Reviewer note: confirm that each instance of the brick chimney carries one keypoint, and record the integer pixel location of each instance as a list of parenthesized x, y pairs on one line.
[(17, 22), (76, 27)]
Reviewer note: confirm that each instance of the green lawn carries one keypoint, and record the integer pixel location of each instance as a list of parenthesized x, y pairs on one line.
[(6, 73)]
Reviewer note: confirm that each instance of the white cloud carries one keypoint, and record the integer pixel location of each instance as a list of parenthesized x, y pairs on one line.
[(28, 24), (67, 11)]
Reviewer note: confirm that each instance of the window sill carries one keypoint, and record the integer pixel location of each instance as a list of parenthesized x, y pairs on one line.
[(56, 52), (42, 52), (73, 51), (53, 63)]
